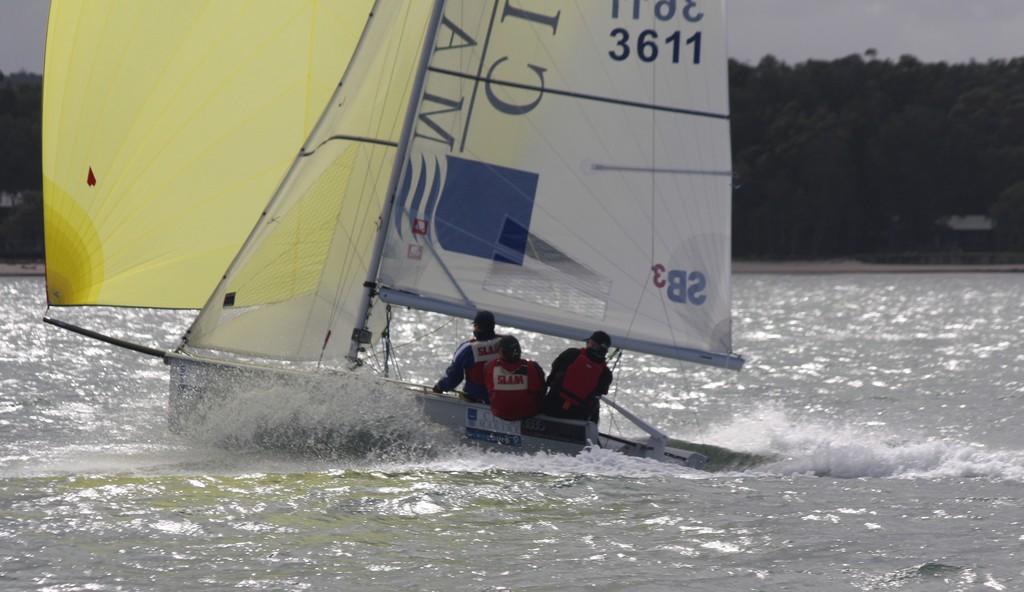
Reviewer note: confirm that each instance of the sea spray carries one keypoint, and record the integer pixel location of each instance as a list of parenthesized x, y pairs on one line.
[(811, 445), (357, 415)]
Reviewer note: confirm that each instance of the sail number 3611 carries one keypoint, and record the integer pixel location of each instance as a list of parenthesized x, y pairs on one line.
[(646, 45)]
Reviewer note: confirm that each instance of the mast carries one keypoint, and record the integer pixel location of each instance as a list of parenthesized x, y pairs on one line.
[(369, 286)]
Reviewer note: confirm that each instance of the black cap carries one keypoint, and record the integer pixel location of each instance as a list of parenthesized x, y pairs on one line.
[(601, 340), (510, 351), (485, 319)]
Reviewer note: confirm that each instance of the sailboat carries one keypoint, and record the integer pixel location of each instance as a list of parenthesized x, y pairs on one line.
[(565, 165)]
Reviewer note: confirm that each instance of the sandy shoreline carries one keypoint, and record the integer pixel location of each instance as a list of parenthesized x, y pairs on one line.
[(851, 266), (782, 267), (21, 269)]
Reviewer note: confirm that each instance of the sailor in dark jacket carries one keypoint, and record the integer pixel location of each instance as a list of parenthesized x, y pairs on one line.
[(471, 357), (577, 380)]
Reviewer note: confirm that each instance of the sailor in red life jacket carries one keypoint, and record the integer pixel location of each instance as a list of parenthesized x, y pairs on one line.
[(471, 358), (578, 379), (516, 385)]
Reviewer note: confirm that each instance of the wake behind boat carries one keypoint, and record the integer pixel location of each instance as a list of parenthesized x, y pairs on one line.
[(565, 166)]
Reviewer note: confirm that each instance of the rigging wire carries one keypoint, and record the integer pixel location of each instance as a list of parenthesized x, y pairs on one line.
[(427, 334), (386, 339), (615, 358), (383, 368), (379, 131), (391, 350)]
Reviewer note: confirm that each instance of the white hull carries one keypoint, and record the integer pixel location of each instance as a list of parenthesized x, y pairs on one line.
[(199, 385)]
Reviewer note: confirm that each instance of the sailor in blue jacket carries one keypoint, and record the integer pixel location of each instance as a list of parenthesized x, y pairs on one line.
[(471, 358)]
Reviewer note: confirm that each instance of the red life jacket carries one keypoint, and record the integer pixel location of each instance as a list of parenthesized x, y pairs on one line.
[(515, 388), (484, 351), (579, 381)]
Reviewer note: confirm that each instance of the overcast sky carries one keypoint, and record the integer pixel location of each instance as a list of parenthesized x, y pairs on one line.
[(791, 30)]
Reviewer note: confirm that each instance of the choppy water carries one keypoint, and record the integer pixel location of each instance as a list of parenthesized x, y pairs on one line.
[(891, 404)]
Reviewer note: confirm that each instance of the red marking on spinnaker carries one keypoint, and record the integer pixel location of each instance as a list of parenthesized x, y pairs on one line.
[(92, 178)]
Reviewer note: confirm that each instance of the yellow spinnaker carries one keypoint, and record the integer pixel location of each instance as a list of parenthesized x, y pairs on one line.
[(167, 125)]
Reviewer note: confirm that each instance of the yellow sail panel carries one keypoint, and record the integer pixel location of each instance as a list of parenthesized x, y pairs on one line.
[(289, 263), (167, 127), (295, 286)]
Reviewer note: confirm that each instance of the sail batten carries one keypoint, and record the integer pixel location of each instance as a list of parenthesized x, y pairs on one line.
[(637, 169), (358, 139)]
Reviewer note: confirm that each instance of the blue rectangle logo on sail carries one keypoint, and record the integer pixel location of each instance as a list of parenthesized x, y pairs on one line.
[(484, 210)]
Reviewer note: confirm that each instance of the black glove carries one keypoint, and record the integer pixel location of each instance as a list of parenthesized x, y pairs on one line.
[(437, 388)]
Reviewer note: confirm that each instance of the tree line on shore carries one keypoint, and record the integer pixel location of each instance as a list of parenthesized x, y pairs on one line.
[(21, 166), (854, 157), (861, 157)]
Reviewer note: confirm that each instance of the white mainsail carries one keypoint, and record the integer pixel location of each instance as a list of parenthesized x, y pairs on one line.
[(568, 168)]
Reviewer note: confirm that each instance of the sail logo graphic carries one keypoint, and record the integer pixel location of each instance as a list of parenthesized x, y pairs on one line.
[(469, 207)]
